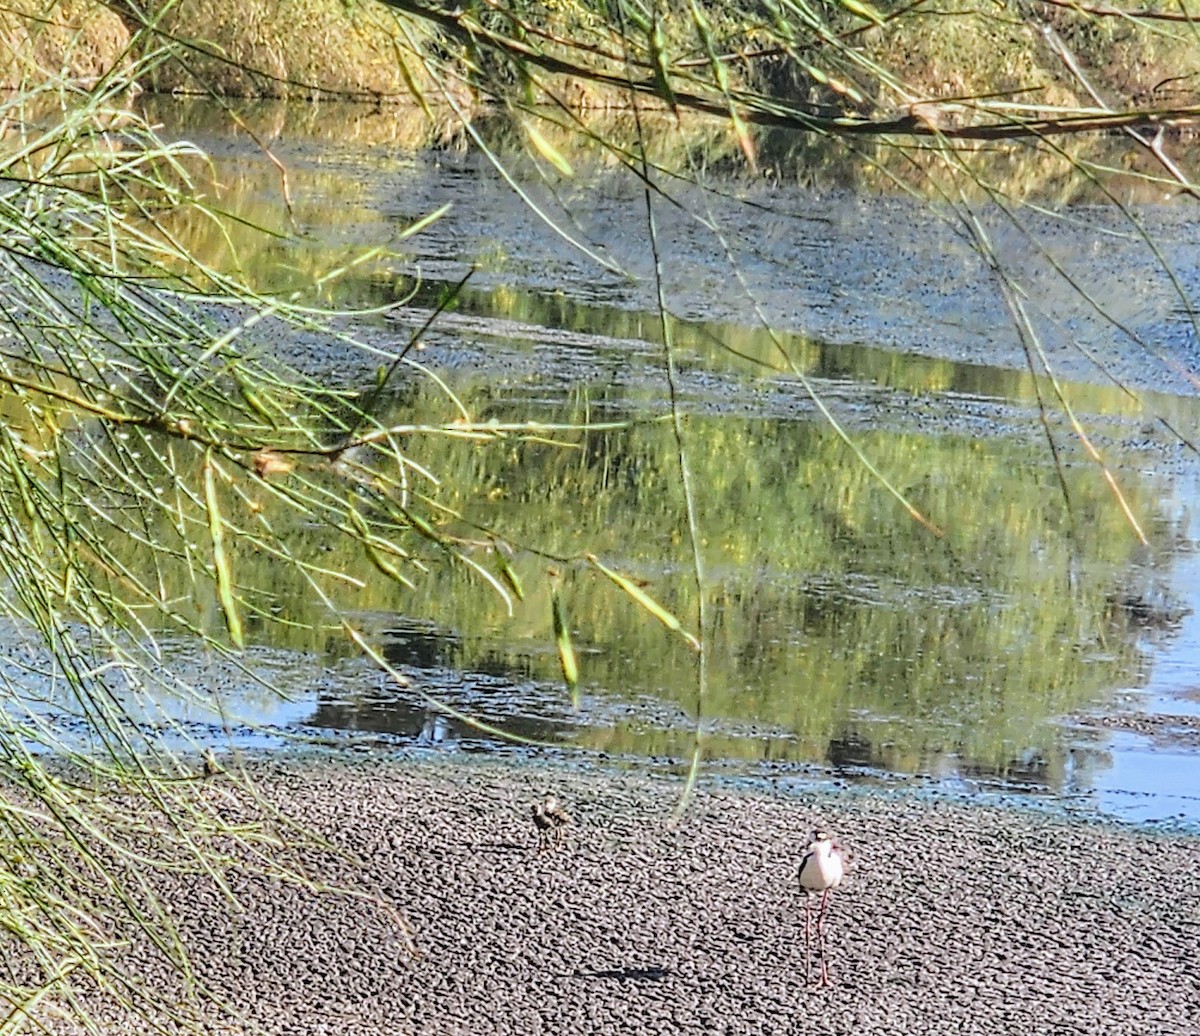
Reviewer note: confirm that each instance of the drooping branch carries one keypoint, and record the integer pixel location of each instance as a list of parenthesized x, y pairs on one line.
[(951, 120), (1107, 11)]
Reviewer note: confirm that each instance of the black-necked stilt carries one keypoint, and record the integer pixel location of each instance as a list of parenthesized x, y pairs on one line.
[(821, 870)]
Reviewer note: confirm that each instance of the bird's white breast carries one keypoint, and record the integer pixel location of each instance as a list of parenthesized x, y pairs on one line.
[(822, 868)]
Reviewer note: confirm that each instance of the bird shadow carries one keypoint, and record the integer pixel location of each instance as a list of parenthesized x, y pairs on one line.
[(503, 847), (626, 974)]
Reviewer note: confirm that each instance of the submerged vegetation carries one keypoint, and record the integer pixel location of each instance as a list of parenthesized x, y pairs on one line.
[(180, 482)]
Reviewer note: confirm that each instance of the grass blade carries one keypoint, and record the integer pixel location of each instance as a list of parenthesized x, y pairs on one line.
[(645, 601), (216, 531), (562, 638)]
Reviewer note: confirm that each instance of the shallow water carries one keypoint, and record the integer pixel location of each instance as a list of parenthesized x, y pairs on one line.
[(1031, 648)]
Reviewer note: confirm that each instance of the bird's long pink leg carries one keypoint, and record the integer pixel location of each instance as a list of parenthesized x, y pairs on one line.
[(821, 937), (807, 940)]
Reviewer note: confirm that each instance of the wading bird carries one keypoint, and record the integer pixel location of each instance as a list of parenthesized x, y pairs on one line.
[(550, 819), (821, 870)]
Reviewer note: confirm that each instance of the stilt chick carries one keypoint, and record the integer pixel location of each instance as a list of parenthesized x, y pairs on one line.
[(551, 820)]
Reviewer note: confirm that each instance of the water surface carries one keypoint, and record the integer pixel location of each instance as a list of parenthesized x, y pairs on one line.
[(1035, 645)]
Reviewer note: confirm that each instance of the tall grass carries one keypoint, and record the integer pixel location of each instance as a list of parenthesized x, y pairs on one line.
[(137, 410)]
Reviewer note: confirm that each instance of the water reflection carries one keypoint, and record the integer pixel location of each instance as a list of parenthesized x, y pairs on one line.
[(841, 630), (434, 730)]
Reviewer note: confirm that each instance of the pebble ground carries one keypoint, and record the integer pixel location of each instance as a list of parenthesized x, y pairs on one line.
[(954, 919)]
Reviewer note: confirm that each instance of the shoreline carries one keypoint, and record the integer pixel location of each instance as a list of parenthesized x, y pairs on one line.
[(953, 918)]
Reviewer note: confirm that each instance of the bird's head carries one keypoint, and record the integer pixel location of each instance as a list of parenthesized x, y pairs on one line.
[(821, 841)]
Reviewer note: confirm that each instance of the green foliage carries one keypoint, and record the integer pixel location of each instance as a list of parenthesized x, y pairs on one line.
[(118, 461)]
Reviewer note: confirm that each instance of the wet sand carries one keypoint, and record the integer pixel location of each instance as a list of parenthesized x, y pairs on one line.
[(955, 918)]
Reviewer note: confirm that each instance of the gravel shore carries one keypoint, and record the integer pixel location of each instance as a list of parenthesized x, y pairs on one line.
[(954, 919)]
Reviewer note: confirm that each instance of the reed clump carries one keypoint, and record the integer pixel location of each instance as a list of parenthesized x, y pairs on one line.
[(83, 38), (298, 50)]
